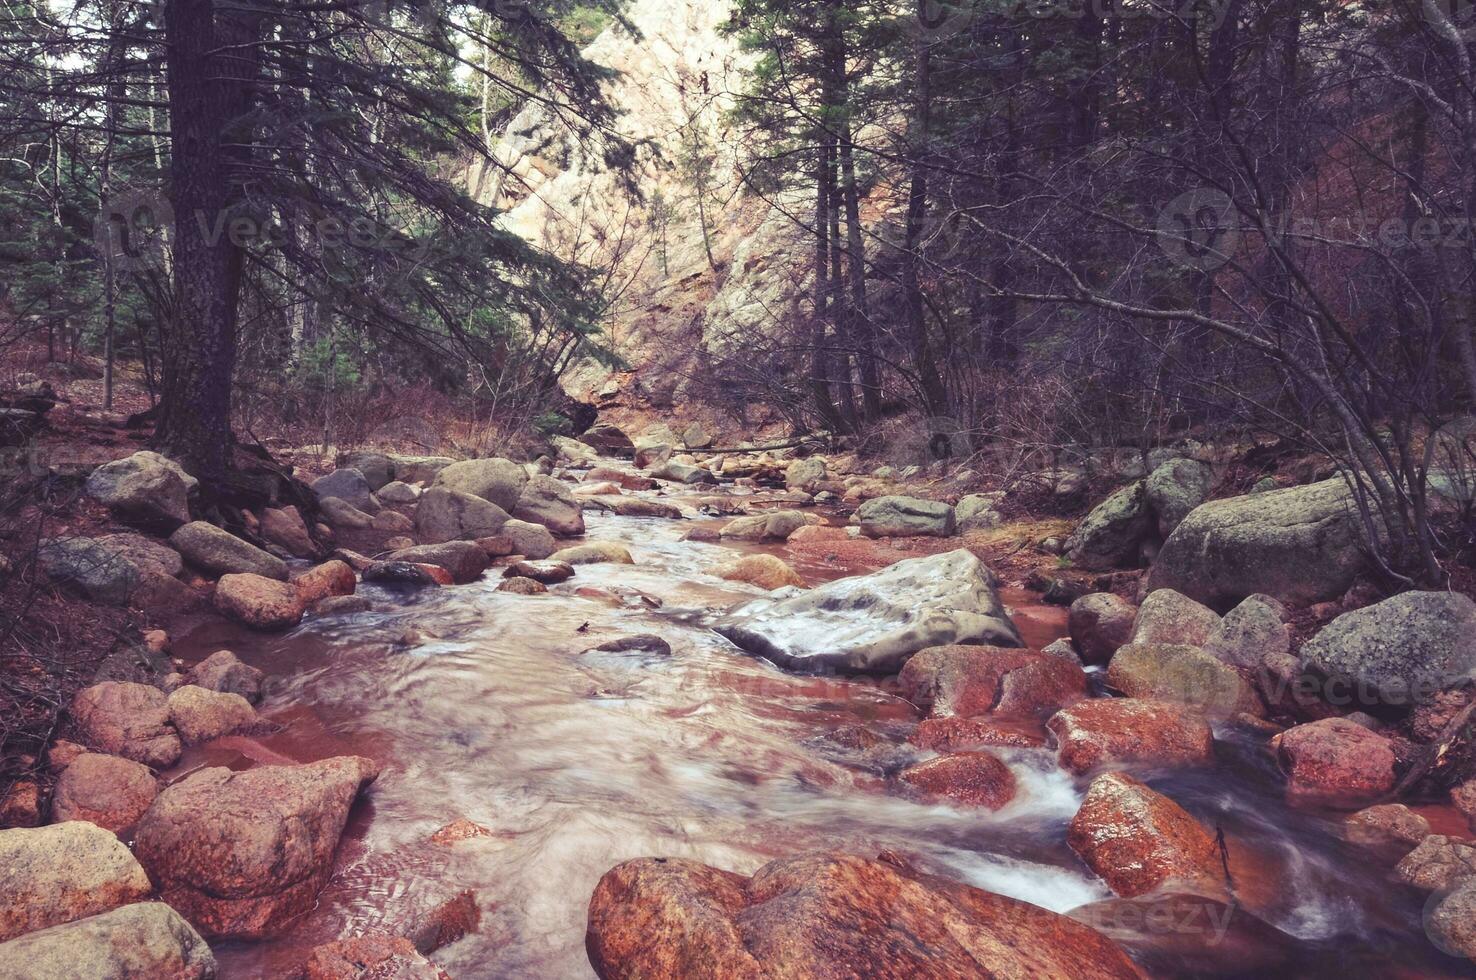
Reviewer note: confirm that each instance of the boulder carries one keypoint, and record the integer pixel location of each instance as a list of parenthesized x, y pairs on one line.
[(873, 623), (594, 553), (1168, 617), (1249, 633), (142, 489), (258, 602), (241, 853), (341, 605), (971, 778), (573, 451), (67, 871), (378, 469), (1389, 829), (222, 671), (771, 526), (975, 680), (328, 579), (420, 469), (977, 512), (1334, 763), (635, 507), (1099, 624), (1174, 489), (106, 790), (135, 942), (678, 472), (465, 560), (371, 957), (1451, 924), (1126, 731), (696, 436), (828, 915), (608, 438), (1113, 532), (549, 572), (397, 493), (522, 586), (407, 574), (764, 571), (905, 517), (497, 481), (449, 515), (88, 566), (1182, 674), (392, 522), (1402, 651), (1300, 545), (1438, 864), (955, 734), (529, 540), (344, 516), (1141, 841), (219, 552), (285, 528), (149, 554), (346, 484), (803, 474), (549, 502), (131, 720), (200, 715)]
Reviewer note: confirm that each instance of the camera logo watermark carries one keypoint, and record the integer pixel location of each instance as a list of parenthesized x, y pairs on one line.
[(132, 230), (1199, 229)]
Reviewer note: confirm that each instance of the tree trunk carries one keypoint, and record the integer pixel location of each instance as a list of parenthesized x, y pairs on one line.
[(934, 395), (211, 59), (819, 349)]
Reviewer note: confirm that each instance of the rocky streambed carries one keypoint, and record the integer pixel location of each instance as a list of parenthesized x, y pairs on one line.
[(587, 770)]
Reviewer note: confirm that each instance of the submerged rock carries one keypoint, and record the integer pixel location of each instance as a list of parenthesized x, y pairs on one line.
[(873, 623), (544, 572), (522, 586), (241, 853), (971, 778), (371, 957), (143, 941), (828, 915), (594, 553)]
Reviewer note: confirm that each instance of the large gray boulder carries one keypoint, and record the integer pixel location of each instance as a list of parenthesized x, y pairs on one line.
[(348, 485), (1113, 532), (50, 875), (498, 481), (1251, 632), (99, 572), (1299, 545), (377, 468), (573, 451), (905, 517), (1176, 488), (874, 623), (1403, 650), (144, 940), (803, 474), (551, 503), (450, 515), (420, 469), (609, 438), (144, 488), (209, 548)]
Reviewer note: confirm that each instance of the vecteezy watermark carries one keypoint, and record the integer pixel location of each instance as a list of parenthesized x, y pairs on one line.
[(931, 440), (1199, 229), (937, 19), (132, 230)]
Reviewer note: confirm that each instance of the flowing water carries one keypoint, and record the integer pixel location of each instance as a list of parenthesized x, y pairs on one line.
[(485, 706)]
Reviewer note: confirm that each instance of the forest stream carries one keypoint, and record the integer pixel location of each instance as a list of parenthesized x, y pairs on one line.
[(493, 708)]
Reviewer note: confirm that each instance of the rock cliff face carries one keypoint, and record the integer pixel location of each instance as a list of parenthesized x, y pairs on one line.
[(700, 265)]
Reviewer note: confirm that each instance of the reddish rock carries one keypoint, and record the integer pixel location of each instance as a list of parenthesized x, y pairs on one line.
[(200, 715), (1109, 731), (286, 528), (546, 572), (1099, 624), (828, 915), (1334, 763), (955, 734), (443, 925), (341, 605), (375, 956), (765, 571), (106, 790), (328, 579), (974, 778), (973, 680), (62, 754), (259, 602), (465, 560), (67, 871), (131, 720), (1139, 841), (1463, 797), (241, 853), (818, 532), (458, 830), (21, 806)]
